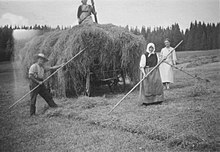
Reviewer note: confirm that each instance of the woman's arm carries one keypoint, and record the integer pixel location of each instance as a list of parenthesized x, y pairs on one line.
[(79, 12), (174, 57), (92, 10), (159, 57), (143, 64)]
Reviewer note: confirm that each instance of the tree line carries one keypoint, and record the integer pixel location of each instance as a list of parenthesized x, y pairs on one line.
[(199, 36), (7, 41)]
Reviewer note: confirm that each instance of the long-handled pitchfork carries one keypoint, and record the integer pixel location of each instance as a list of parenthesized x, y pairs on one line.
[(145, 76), (47, 78), (93, 5), (180, 69)]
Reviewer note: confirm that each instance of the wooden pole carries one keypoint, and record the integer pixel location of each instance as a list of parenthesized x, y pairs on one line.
[(47, 78), (145, 77), (88, 84), (93, 5)]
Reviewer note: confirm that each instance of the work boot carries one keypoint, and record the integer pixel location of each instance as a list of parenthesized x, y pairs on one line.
[(54, 105)]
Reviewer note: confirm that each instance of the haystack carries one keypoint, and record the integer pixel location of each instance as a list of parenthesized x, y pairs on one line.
[(110, 46)]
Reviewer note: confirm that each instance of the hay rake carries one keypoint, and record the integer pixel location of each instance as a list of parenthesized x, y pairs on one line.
[(193, 76)]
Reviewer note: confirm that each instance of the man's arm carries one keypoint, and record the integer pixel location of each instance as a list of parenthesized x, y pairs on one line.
[(31, 76), (48, 68)]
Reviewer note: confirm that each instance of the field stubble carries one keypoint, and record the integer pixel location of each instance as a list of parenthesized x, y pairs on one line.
[(188, 120)]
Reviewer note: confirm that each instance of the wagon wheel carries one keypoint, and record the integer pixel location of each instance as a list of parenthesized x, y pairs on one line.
[(117, 81), (123, 79)]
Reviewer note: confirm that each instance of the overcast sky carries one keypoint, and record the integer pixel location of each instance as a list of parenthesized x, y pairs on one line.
[(149, 13)]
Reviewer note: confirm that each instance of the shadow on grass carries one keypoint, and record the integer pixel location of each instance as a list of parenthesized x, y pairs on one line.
[(181, 85), (104, 91)]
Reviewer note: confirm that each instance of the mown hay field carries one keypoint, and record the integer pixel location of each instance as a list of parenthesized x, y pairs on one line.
[(188, 120)]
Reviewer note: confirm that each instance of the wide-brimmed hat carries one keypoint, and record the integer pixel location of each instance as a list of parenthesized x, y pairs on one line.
[(167, 40), (41, 55)]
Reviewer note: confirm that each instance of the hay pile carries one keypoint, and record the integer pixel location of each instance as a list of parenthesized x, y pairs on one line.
[(110, 46), (200, 88)]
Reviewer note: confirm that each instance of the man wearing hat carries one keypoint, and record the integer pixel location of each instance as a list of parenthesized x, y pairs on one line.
[(36, 75)]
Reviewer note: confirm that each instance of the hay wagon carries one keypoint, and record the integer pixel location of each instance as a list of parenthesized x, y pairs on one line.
[(117, 50), (114, 79)]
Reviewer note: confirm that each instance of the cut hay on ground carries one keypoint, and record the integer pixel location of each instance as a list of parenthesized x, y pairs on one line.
[(110, 46), (199, 88)]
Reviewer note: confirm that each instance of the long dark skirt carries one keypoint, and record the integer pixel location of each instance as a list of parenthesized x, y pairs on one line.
[(151, 89)]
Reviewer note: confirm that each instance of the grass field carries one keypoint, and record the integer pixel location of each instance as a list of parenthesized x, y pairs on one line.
[(188, 120)]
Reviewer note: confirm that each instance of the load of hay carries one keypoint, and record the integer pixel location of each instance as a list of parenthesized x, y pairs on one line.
[(109, 46)]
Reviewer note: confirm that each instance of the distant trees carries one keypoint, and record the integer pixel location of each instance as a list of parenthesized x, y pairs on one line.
[(199, 36), (202, 37), (7, 41)]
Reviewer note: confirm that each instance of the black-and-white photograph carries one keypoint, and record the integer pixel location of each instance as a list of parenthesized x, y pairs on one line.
[(109, 75)]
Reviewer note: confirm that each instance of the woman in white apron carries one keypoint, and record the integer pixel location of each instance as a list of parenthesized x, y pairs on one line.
[(166, 70)]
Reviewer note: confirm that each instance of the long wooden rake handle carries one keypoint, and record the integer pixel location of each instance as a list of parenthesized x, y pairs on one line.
[(47, 78), (145, 77), (93, 5)]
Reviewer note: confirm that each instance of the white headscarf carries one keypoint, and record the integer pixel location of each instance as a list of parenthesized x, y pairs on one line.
[(148, 47)]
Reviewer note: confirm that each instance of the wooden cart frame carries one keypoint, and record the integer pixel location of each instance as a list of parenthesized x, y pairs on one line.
[(111, 78)]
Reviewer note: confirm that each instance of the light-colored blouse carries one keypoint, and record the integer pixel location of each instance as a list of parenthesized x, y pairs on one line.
[(172, 57), (37, 71)]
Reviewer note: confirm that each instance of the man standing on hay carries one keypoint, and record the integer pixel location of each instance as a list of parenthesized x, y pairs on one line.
[(36, 75), (151, 89), (166, 69), (84, 13)]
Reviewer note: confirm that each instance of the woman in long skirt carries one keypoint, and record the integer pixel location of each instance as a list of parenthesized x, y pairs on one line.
[(151, 89), (166, 70)]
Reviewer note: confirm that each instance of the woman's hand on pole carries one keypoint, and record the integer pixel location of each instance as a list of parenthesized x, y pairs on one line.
[(143, 72)]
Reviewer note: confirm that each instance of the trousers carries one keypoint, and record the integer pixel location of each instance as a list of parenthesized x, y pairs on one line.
[(43, 92)]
